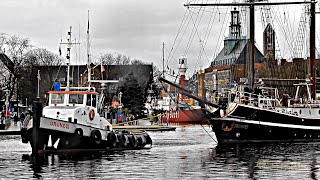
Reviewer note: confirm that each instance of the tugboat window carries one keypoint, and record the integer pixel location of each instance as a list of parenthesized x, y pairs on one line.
[(88, 100), (93, 99), (76, 98), (57, 98)]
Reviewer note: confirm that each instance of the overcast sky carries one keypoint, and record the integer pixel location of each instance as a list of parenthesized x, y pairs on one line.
[(130, 27), (135, 28)]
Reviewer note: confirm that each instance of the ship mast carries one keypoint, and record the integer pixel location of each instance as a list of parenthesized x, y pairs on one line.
[(251, 6), (69, 44), (313, 48), (88, 54), (251, 46)]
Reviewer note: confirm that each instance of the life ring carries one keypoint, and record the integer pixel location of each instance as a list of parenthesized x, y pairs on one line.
[(91, 114), (96, 136), (226, 127)]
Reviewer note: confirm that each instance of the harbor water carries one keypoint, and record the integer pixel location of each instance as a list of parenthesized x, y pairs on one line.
[(187, 153)]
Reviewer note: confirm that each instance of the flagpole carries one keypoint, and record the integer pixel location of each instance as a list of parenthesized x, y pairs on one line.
[(88, 54), (38, 77)]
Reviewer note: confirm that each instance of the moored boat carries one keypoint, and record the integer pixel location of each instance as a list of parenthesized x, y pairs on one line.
[(258, 118), (73, 119)]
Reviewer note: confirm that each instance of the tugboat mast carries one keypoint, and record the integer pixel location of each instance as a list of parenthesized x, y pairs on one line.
[(69, 44), (88, 54)]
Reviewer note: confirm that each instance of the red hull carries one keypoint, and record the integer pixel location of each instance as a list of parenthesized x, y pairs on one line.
[(194, 116)]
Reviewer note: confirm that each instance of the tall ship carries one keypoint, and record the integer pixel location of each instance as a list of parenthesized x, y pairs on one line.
[(255, 112)]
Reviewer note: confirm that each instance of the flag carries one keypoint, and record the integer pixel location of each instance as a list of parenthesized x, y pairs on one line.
[(103, 70), (38, 75), (60, 50), (173, 72)]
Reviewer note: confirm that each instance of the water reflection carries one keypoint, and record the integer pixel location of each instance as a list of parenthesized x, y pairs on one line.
[(271, 160), (187, 153)]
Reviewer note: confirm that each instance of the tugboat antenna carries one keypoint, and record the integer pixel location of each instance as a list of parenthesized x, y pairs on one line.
[(88, 53), (69, 44)]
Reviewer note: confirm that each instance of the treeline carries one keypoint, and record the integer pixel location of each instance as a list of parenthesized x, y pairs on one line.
[(18, 56), (119, 59), (17, 71)]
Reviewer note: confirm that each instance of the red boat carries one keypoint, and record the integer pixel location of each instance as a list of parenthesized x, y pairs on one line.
[(194, 116)]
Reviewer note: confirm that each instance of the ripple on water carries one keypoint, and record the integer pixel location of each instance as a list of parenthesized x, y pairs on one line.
[(187, 153)]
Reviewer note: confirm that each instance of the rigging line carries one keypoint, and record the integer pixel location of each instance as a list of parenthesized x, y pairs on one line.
[(193, 32), (221, 35), (201, 48), (288, 23), (243, 18), (209, 28), (283, 31), (209, 134), (195, 27), (180, 28), (276, 37), (169, 58), (290, 29)]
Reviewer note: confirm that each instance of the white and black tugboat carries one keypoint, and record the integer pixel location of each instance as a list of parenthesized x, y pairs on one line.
[(72, 121)]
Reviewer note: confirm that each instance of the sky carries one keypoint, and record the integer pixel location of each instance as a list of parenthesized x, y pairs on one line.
[(136, 28)]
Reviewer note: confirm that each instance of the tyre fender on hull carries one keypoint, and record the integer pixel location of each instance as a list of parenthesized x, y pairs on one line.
[(133, 141), (96, 136), (24, 135), (140, 141), (122, 140), (112, 139), (148, 138)]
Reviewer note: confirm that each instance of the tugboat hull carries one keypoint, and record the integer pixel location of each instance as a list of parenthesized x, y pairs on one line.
[(72, 139)]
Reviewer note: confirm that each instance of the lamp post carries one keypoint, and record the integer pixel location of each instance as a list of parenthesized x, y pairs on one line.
[(39, 78), (7, 105), (120, 106), (120, 95)]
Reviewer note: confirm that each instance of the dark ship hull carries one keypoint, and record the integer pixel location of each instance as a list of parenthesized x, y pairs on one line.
[(253, 124)]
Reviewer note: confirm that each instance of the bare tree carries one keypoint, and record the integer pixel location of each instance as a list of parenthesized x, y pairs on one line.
[(42, 57), (137, 62), (117, 59), (107, 59), (15, 48)]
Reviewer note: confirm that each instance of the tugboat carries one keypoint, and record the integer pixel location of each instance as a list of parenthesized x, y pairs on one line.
[(72, 121)]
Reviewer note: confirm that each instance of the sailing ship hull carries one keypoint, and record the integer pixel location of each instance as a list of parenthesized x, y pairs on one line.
[(195, 116), (253, 124)]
